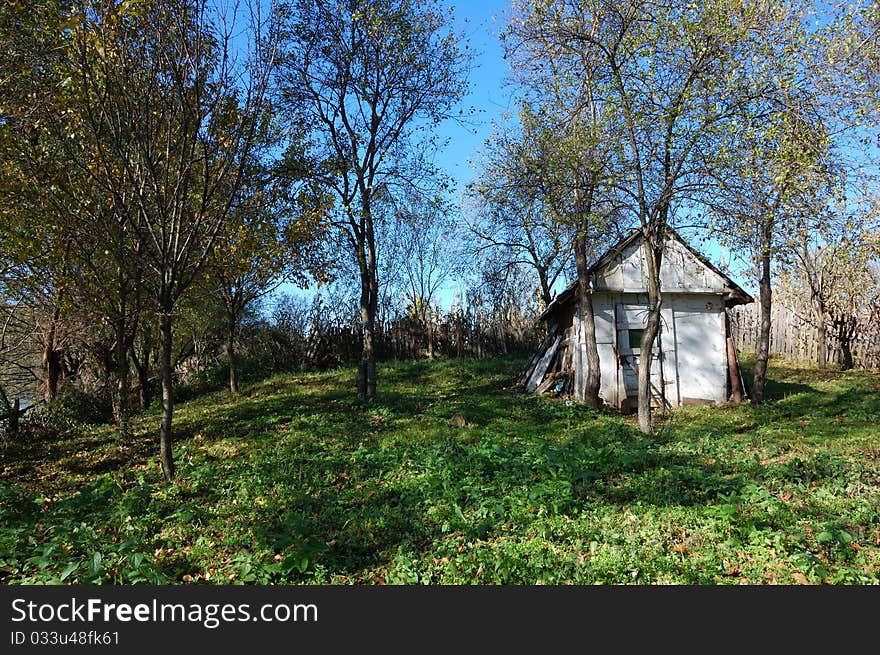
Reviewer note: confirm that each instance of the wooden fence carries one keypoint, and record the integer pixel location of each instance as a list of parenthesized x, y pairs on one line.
[(793, 337), (447, 334)]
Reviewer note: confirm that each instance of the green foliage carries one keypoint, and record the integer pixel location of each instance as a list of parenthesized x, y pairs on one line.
[(298, 482), (79, 406)]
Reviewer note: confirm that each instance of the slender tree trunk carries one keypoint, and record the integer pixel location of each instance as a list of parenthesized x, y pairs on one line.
[(374, 308), (231, 323), (653, 245), (166, 456), (121, 357), (846, 350), (14, 417), (844, 336), (429, 325), (546, 293), (766, 299), (592, 379), (142, 366), (369, 307), (52, 359), (822, 337), (366, 254), (12, 413), (367, 368)]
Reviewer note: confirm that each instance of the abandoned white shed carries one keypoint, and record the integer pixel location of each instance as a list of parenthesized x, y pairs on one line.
[(694, 360)]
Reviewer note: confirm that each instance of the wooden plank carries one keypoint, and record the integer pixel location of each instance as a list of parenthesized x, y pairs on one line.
[(529, 368), (541, 367), (551, 380), (530, 365), (620, 386), (656, 394), (569, 370), (675, 377), (733, 371), (578, 362)]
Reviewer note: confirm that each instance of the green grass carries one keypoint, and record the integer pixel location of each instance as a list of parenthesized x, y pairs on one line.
[(296, 482)]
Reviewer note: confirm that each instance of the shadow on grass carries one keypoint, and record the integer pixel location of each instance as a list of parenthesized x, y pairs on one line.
[(795, 391), (349, 511)]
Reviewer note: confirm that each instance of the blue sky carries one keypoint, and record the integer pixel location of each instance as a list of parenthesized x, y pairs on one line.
[(481, 22)]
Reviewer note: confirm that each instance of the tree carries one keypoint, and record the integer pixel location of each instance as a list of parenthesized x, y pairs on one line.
[(137, 147), (178, 117), (432, 256), (561, 177), (367, 82), (259, 251), (772, 194), (511, 219), (31, 71), (792, 158), (17, 376), (568, 107), (833, 283)]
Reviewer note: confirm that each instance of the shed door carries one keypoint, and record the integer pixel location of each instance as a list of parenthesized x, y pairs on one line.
[(631, 321)]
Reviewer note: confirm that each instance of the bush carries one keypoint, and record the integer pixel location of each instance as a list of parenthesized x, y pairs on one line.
[(205, 382), (76, 405), (216, 377)]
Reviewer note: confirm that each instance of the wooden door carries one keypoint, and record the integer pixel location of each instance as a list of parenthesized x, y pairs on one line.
[(631, 321)]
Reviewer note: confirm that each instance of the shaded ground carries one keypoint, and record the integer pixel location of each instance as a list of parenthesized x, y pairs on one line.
[(298, 482)]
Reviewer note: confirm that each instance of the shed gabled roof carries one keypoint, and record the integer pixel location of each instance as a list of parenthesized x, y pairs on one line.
[(734, 294)]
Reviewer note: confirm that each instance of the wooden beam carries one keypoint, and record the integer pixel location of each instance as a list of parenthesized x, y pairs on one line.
[(541, 367), (529, 368), (551, 380), (736, 394)]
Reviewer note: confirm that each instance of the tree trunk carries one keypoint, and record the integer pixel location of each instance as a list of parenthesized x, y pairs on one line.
[(52, 369), (367, 368), (766, 298), (592, 379), (546, 293), (52, 359), (230, 352), (822, 337), (844, 335), (121, 395), (166, 457), (14, 416), (846, 350), (366, 253), (142, 366), (371, 361), (429, 325), (653, 245), (12, 413)]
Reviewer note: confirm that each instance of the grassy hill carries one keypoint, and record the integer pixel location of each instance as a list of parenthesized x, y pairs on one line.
[(298, 482)]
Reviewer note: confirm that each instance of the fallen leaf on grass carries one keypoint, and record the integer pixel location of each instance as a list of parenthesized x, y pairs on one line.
[(800, 578)]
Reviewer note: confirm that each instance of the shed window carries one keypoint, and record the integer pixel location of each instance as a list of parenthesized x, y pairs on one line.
[(635, 339)]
